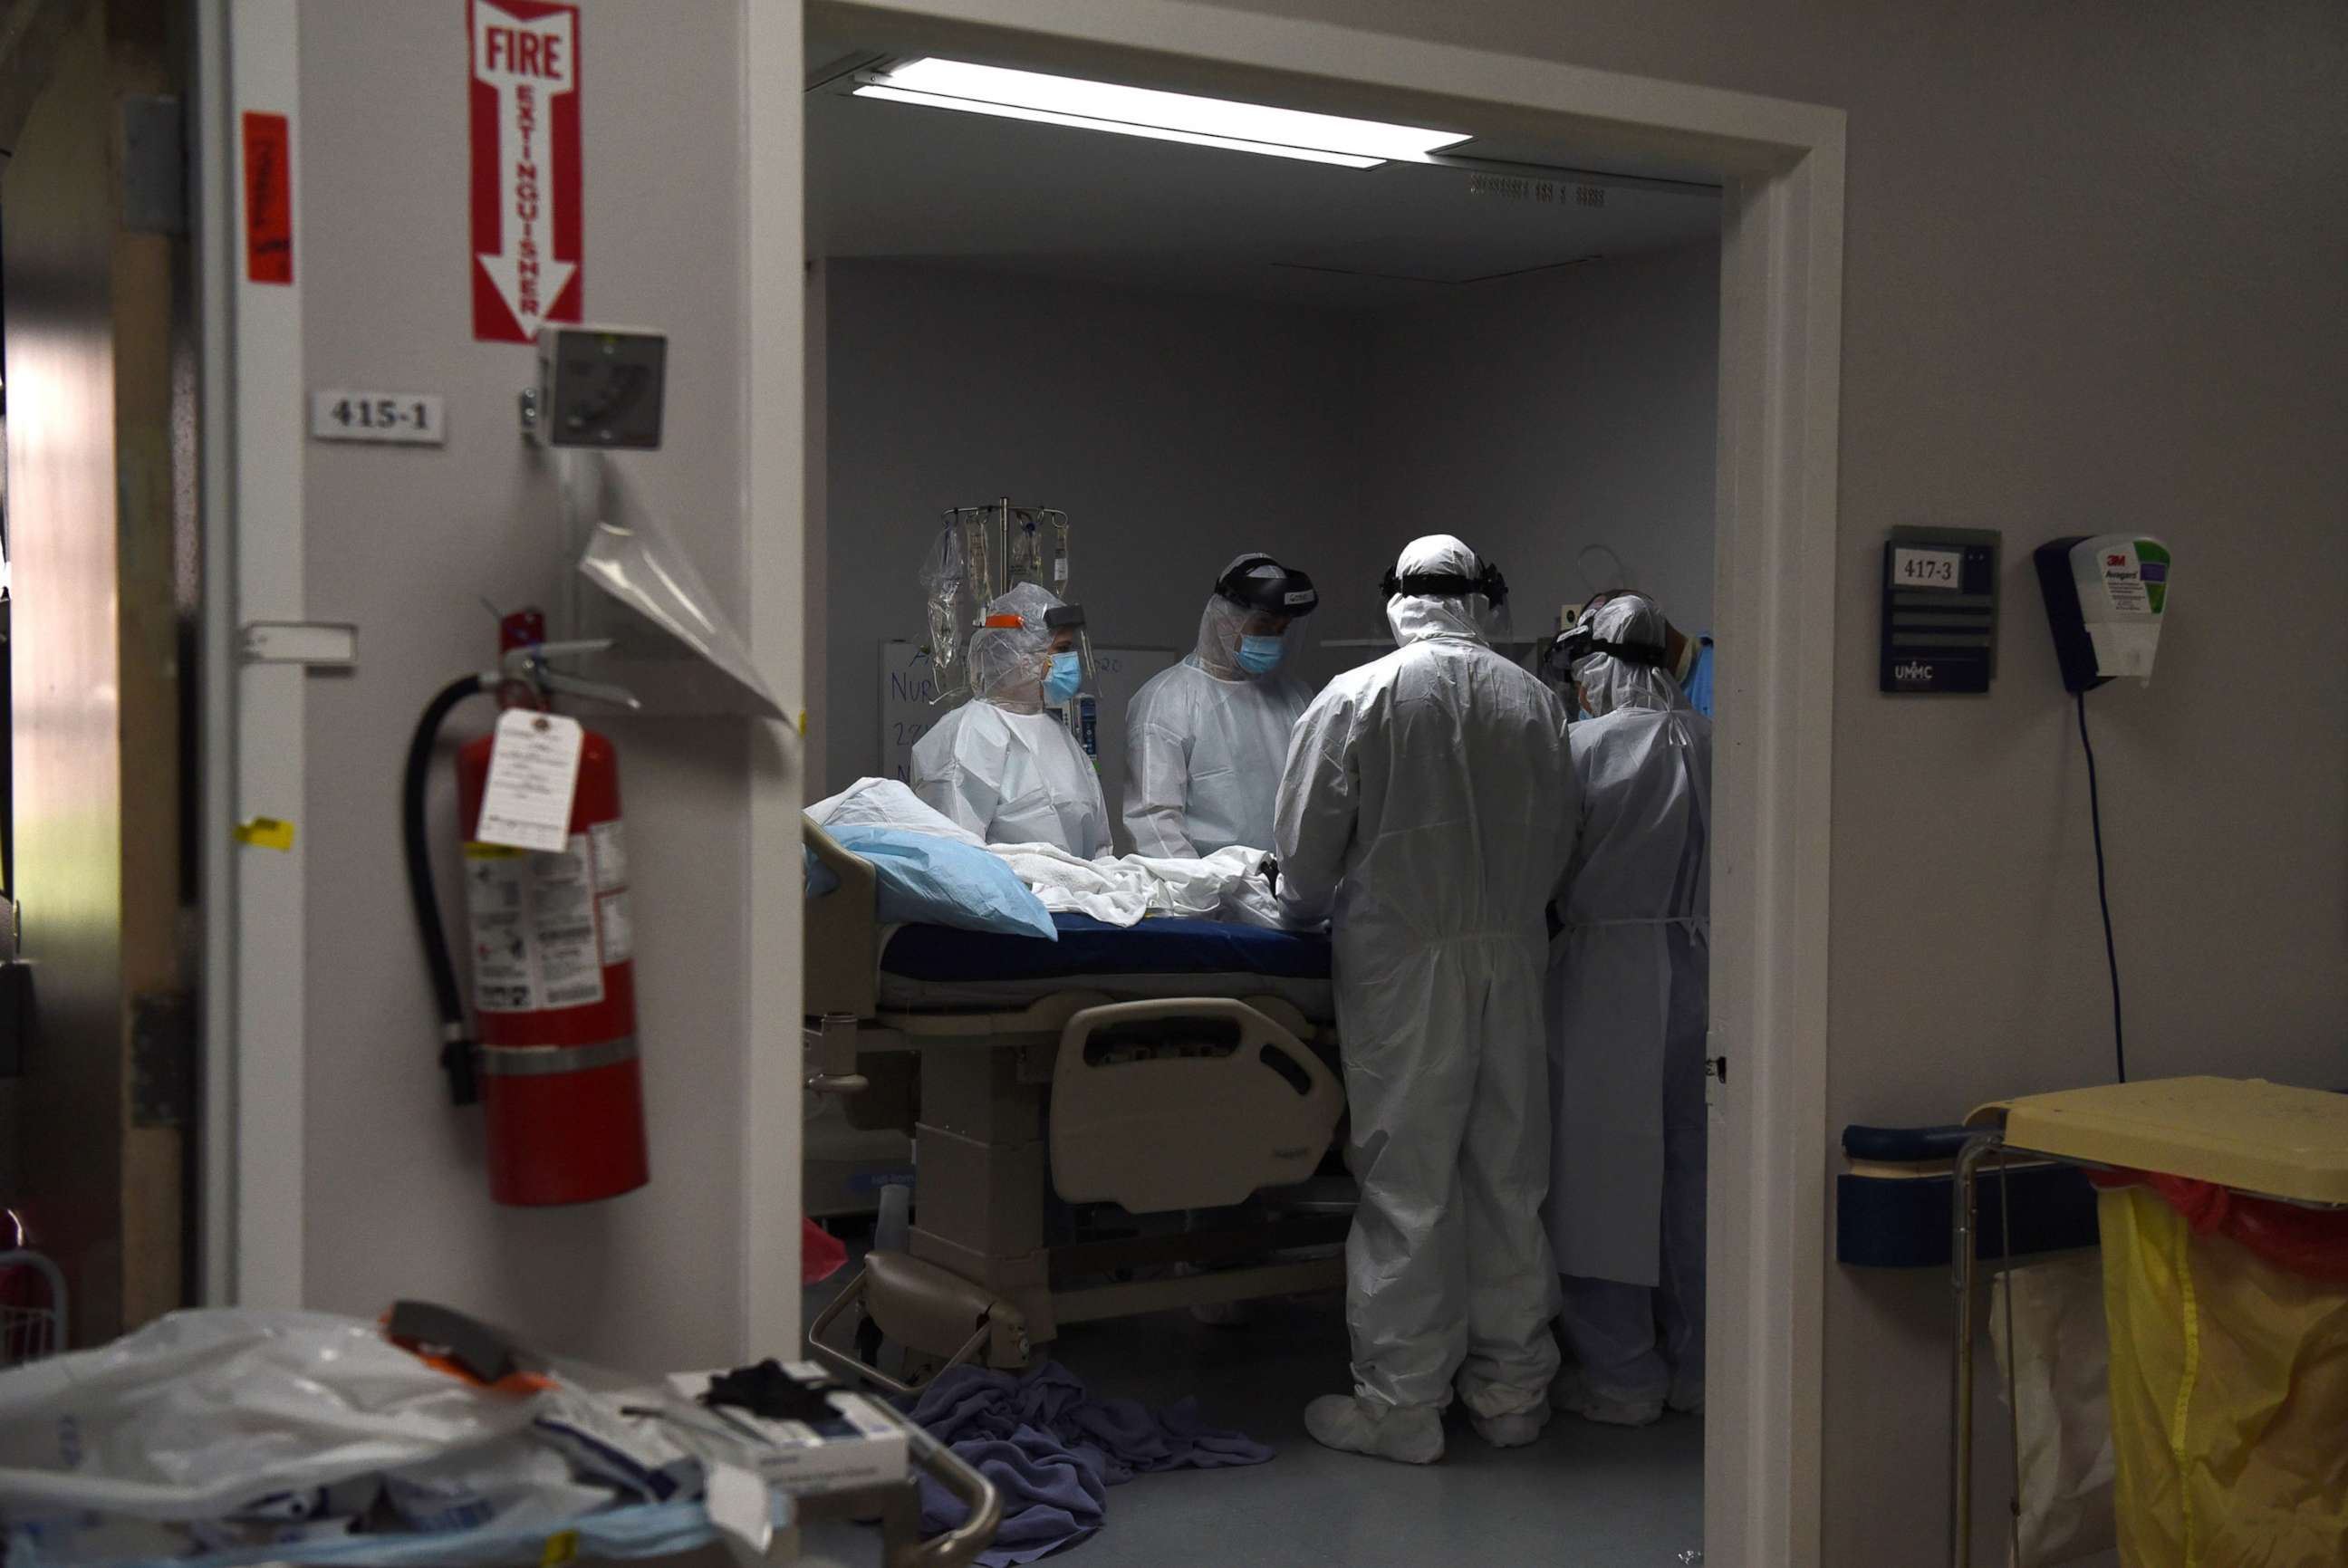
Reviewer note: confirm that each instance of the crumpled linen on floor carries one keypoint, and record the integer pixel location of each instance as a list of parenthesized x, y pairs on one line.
[(1053, 1450)]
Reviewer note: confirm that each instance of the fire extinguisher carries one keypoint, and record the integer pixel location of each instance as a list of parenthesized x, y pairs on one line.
[(553, 1064)]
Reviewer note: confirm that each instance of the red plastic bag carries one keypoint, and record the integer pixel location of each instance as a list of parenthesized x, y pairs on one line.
[(821, 1252), (2309, 1243)]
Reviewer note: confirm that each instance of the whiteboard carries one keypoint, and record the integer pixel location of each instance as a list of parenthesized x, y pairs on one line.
[(909, 683)]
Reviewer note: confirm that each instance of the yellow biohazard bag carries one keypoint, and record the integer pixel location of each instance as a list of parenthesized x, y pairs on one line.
[(2229, 1398)]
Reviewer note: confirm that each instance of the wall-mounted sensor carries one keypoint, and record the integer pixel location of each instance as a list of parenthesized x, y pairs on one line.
[(598, 387)]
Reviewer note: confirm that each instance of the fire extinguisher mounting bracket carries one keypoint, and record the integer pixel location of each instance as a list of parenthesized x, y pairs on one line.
[(529, 663)]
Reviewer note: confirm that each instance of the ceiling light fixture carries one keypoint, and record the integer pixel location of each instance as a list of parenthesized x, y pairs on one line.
[(1158, 115)]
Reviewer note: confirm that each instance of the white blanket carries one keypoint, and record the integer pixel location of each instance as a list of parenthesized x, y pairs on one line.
[(1226, 885)]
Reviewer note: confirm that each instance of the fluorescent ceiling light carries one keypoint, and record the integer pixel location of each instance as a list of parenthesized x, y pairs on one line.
[(1161, 116), (1155, 133)]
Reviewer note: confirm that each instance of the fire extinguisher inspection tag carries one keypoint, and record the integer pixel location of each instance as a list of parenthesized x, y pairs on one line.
[(533, 772)]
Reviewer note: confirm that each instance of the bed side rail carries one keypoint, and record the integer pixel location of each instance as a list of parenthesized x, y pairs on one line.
[(842, 944), (1188, 1104)]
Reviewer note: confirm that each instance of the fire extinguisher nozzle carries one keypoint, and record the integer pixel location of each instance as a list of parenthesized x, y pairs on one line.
[(457, 1061)]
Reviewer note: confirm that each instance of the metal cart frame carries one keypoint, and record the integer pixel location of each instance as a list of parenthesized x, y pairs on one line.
[(2076, 1128), (899, 1506)]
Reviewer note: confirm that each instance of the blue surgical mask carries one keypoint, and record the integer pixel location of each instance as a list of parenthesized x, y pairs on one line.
[(1261, 655), (1067, 675)]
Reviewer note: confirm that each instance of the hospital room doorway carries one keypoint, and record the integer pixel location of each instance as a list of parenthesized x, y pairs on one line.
[(1191, 350)]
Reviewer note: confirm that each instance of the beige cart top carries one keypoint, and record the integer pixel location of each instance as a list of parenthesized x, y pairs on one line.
[(2243, 1134)]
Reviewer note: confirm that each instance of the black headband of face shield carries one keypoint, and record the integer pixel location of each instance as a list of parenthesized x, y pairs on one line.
[(1291, 594), (1579, 641), (1448, 585)]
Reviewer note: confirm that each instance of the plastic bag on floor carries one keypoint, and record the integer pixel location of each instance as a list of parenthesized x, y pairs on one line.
[(2060, 1368)]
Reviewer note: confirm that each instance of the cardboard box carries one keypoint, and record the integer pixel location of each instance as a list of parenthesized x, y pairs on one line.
[(860, 1446)]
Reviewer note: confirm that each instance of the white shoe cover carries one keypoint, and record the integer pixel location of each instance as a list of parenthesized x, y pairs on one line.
[(1511, 1431), (1408, 1434), (1571, 1395)]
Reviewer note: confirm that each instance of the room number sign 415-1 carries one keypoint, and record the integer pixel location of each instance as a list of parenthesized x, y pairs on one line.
[(404, 418)]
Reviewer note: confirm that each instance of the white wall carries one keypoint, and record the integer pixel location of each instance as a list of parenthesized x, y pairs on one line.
[(1175, 431), (401, 541), (1538, 416), (2092, 280)]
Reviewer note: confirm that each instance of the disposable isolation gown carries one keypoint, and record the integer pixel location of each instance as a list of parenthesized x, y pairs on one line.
[(1204, 743), (1000, 764), (1628, 1012), (1427, 802)]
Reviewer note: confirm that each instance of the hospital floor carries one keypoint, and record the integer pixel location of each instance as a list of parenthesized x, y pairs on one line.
[(1583, 1494)]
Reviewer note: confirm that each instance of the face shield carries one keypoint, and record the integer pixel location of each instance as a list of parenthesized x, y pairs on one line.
[(1011, 653), (1247, 629), (1070, 681), (1617, 655)]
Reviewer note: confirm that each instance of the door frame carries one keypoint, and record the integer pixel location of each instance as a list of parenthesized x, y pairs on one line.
[(254, 760), (1780, 165)]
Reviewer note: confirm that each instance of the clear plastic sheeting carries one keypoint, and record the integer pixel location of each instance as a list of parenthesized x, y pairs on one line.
[(2058, 1363), (227, 1436), (696, 661), (200, 1412), (654, 1530)]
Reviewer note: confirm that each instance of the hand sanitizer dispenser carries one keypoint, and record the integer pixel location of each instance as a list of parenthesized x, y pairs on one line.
[(2105, 598)]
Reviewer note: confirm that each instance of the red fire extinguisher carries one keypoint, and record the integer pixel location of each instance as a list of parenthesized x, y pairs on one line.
[(552, 943)]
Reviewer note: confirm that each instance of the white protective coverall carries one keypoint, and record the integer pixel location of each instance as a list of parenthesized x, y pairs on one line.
[(1204, 742), (1000, 764), (1628, 1007), (1427, 802)]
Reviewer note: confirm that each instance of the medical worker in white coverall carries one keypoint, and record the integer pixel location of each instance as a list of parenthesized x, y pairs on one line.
[(1627, 1006), (1204, 739), (1426, 806), (1004, 764)]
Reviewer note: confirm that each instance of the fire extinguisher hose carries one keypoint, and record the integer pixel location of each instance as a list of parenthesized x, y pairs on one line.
[(456, 1039)]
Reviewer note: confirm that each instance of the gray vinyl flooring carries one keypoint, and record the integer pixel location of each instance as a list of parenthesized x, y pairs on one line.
[(1583, 1494)]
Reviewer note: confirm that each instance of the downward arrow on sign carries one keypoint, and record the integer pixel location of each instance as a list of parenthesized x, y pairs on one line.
[(528, 312)]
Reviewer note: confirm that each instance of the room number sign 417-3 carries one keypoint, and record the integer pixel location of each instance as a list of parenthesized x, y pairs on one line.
[(406, 419)]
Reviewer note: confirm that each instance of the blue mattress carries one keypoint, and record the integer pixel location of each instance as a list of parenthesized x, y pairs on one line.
[(1089, 947)]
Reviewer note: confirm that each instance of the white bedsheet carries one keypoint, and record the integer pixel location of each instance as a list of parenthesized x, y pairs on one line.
[(1226, 885)]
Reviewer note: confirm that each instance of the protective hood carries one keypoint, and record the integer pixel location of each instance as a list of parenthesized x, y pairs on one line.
[(1006, 663), (1416, 617), (1221, 625), (1609, 683)]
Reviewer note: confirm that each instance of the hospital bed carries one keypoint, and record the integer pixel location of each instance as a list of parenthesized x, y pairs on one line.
[(1172, 1067)]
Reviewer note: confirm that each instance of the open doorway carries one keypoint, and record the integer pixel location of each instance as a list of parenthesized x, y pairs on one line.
[(1194, 353), (98, 932)]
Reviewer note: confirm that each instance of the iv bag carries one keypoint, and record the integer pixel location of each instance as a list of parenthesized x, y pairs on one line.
[(945, 576)]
